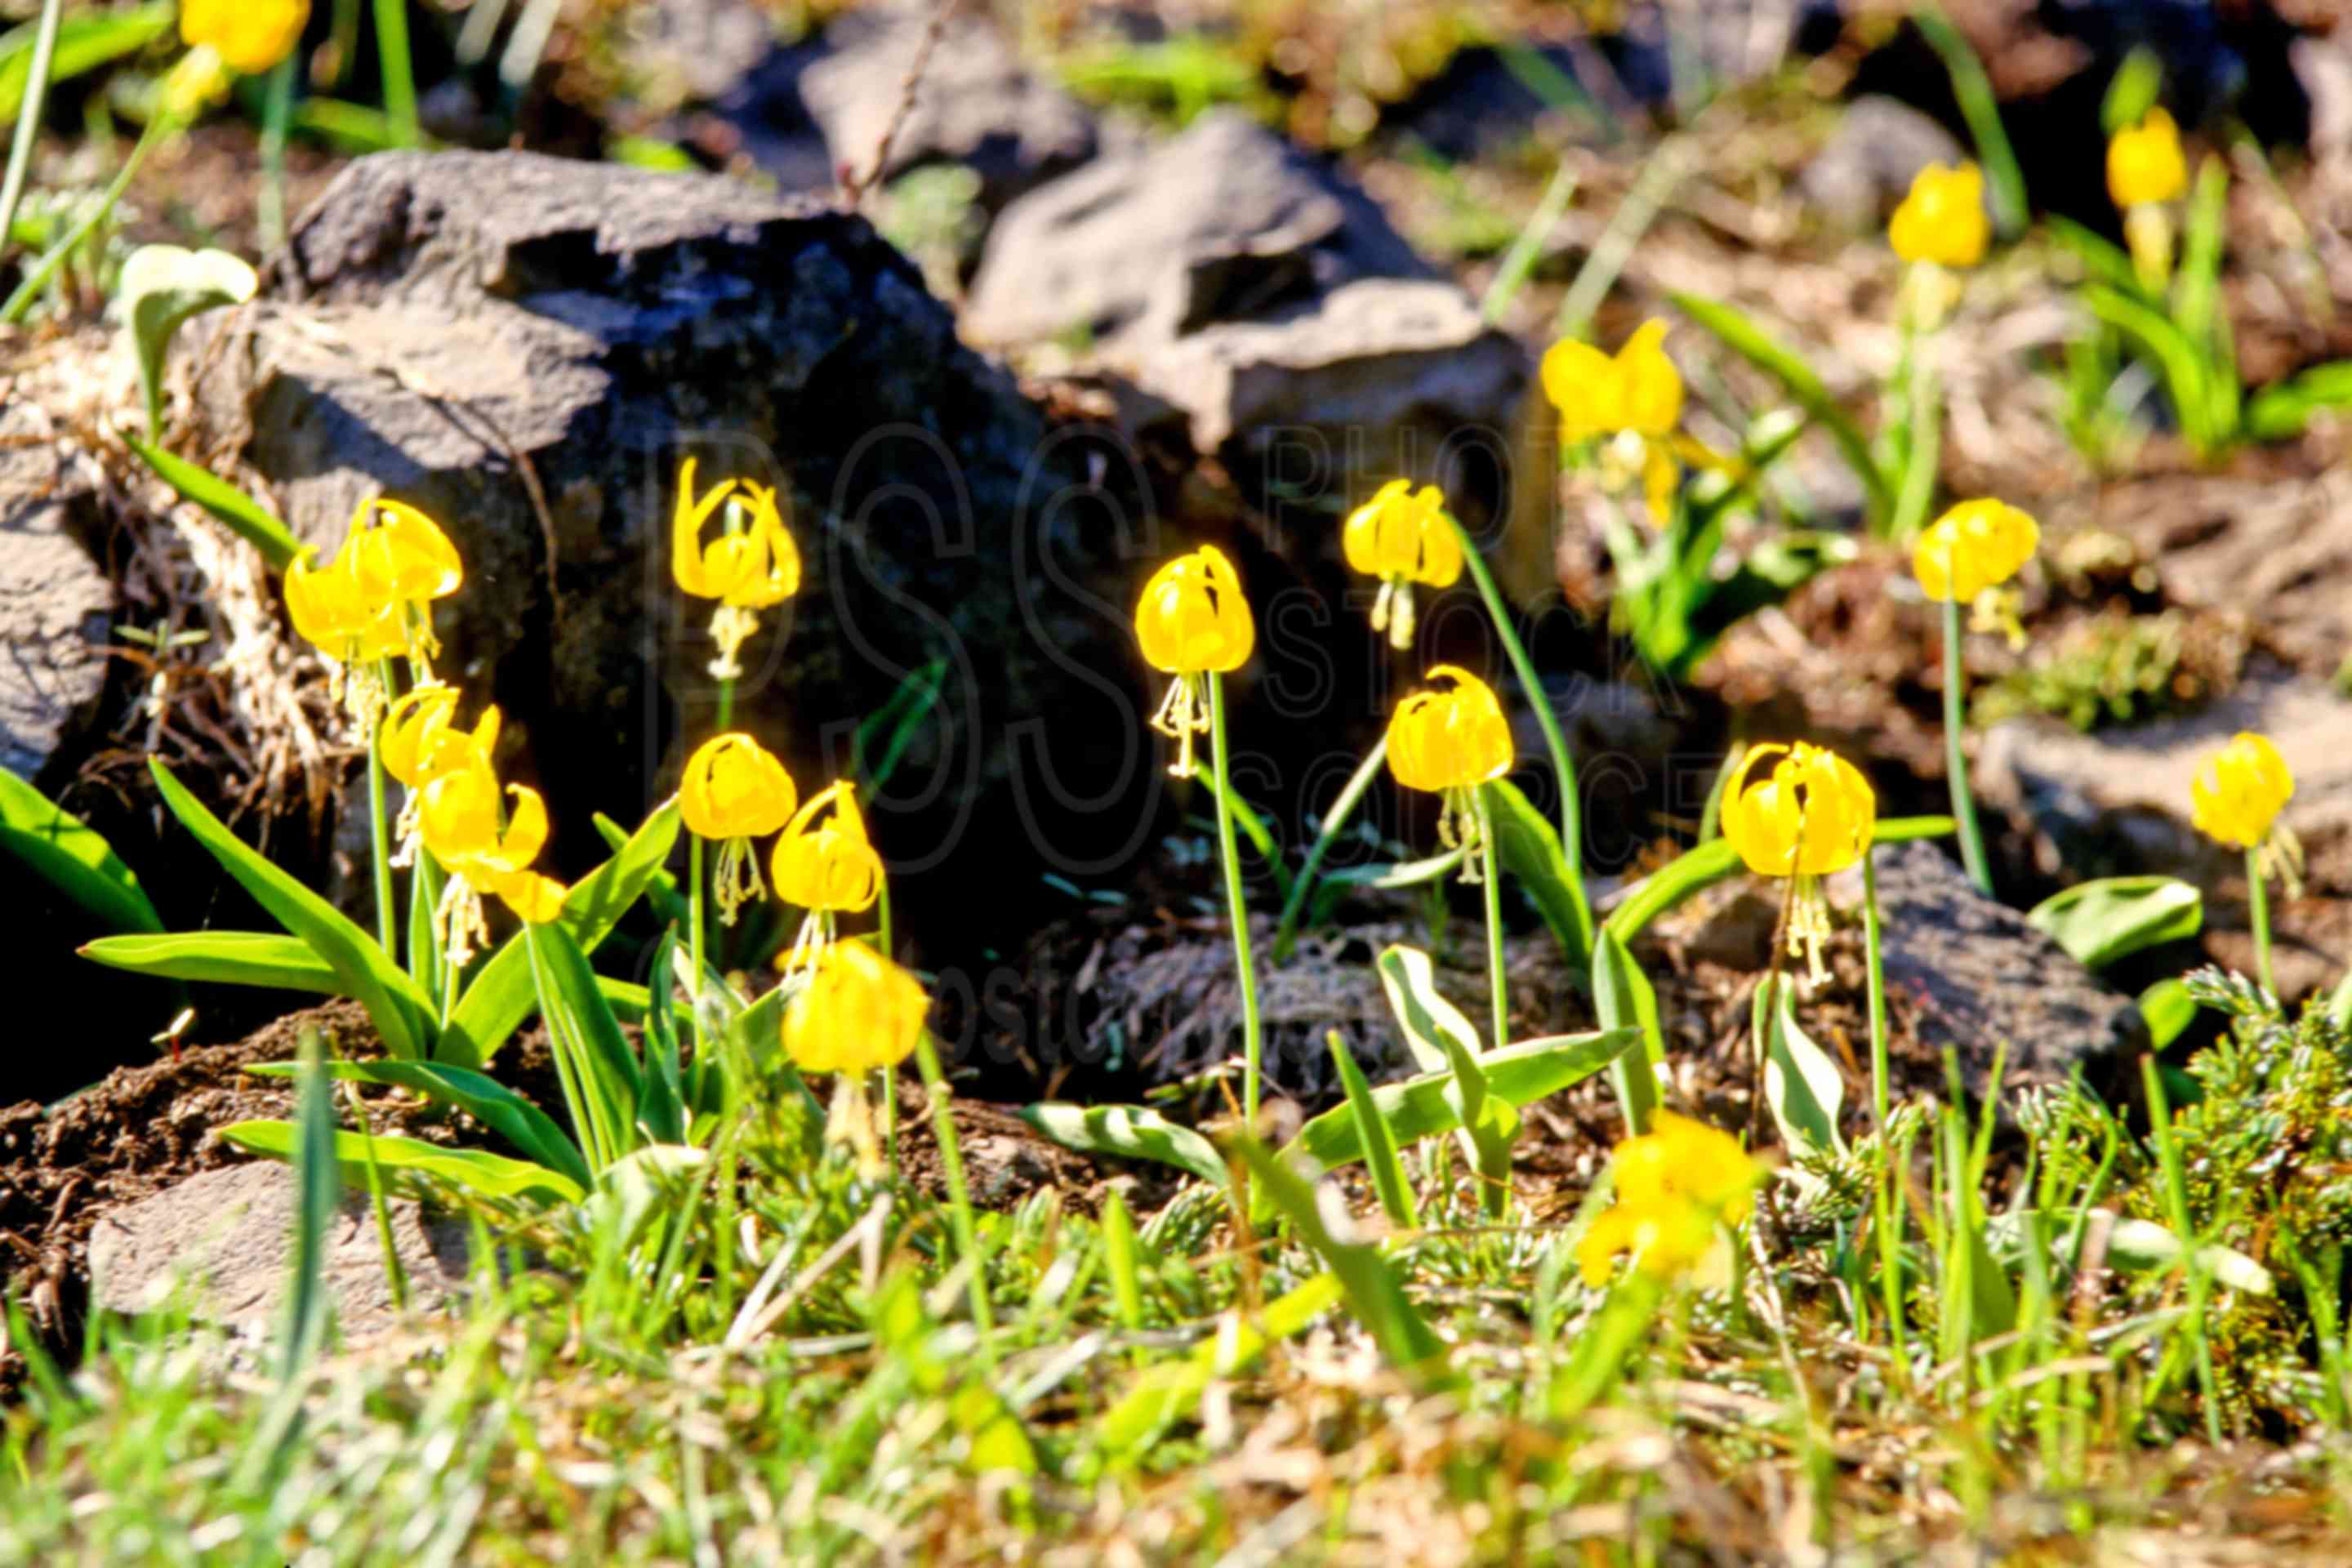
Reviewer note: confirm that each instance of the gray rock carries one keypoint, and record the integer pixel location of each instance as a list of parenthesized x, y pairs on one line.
[(55, 605), (974, 105), (2115, 802), (225, 1239), (525, 348), (2323, 68), (1984, 978), (1867, 165), (1230, 276)]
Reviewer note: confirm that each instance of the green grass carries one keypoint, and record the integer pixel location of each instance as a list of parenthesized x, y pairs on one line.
[(824, 1394)]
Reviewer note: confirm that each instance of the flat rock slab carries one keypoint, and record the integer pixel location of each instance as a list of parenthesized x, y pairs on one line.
[(226, 1237), (2115, 802), (1984, 979), (55, 605), (1249, 288)]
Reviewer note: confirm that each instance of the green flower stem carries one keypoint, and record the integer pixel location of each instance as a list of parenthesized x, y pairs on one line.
[(1955, 758), (1571, 809), (278, 117), (1495, 981), (1881, 1094), (56, 257), (29, 117), (1923, 413), (889, 1075), (1236, 906), (967, 1234), (1286, 931), (399, 76), (379, 842), (2258, 905)]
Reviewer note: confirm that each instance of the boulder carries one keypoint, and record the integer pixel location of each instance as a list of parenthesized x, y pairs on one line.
[(526, 348), (2115, 802), (975, 103), (1264, 299), (55, 605), (223, 1242), (1867, 165)]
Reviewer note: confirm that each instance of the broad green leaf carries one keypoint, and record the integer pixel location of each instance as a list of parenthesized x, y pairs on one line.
[(500, 998), (239, 512), (493, 1176), (1972, 88), (394, 1004), (663, 893), (86, 42), (1129, 1132), (2144, 1246), (1374, 1293), (161, 287), (2197, 286), (1422, 1107), (266, 959), (2102, 920), (582, 1020), (1802, 1085), (2184, 362), (2103, 258), (488, 1101), (64, 852), (1528, 849), (1434, 1028), (1759, 348), (1711, 862), (2281, 411), (1624, 1000), (2132, 92), (2169, 1009), (661, 1104), (1381, 1160)]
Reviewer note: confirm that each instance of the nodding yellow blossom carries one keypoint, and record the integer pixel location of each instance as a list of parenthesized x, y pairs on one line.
[(2144, 163), (1943, 218), (249, 35), (735, 791), (1672, 1184), (420, 741), (374, 600), (1969, 552), (1402, 536), (458, 820), (1448, 741), (337, 616), (827, 867), (2235, 799), (1813, 813), (1636, 401), (859, 1012), (1193, 621), (752, 564), (400, 556)]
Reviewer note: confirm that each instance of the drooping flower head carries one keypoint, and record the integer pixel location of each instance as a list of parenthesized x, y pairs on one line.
[(1193, 622), (1635, 400), (459, 821), (1448, 740), (1402, 536), (1943, 218), (2144, 163), (1969, 552), (2235, 800), (735, 791), (374, 600), (1673, 1185), (859, 1012), (1810, 813), (751, 565), (827, 865), (249, 35), (420, 742)]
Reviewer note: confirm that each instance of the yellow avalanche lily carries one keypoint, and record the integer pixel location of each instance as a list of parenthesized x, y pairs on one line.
[(1636, 399), (420, 742), (2236, 798), (752, 564), (827, 867), (1193, 621), (249, 35), (735, 791), (1969, 552), (1811, 814), (460, 823), (1943, 218), (1447, 740), (859, 1012), (1673, 1185), (1402, 536), (2144, 163)]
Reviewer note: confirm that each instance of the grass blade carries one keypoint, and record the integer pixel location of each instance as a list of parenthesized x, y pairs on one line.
[(1973, 89)]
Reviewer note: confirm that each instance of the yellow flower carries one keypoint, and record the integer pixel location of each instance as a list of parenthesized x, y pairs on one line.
[(1636, 397), (1672, 1184), (374, 600), (2145, 162), (458, 820), (1977, 545), (735, 791), (337, 614), (1402, 536), (419, 743), (1448, 741), (859, 1012), (1193, 621), (1943, 219), (753, 565), (828, 870), (399, 555), (250, 36), (1811, 815), (2239, 790)]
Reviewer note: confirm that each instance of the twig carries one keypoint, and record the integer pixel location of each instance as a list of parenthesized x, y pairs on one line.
[(852, 187)]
